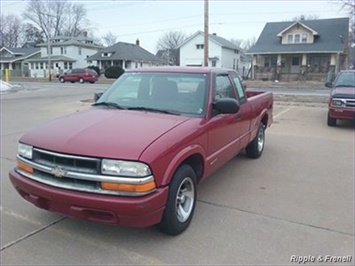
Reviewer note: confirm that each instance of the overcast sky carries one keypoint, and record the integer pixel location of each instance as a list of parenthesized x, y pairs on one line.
[(148, 20)]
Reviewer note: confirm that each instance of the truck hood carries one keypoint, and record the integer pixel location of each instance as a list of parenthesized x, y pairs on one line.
[(103, 133), (344, 92)]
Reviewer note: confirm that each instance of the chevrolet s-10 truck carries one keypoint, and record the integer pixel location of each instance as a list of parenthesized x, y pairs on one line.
[(136, 156), (342, 97)]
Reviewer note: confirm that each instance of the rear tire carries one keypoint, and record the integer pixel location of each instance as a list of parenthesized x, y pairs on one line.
[(181, 202), (255, 148), (332, 122), (81, 80), (61, 80)]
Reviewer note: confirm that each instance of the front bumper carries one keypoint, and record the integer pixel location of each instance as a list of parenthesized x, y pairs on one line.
[(127, 211), (342, 113)]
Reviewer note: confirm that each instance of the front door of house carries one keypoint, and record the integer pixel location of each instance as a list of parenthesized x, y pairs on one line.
[(295, 64)]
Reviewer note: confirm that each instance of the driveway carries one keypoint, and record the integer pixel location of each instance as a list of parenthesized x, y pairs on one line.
[(295, 202)]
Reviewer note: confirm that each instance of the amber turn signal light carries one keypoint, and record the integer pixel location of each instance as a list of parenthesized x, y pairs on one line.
[(24, 167), (128, 187)]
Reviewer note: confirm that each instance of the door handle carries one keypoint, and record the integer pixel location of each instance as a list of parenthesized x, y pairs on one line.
[(239, 116)]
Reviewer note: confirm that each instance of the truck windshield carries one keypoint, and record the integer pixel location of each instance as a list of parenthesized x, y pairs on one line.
[(173, 93), (345, 79)]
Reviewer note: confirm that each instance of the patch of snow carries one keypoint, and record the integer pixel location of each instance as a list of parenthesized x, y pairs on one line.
[(4, 86)]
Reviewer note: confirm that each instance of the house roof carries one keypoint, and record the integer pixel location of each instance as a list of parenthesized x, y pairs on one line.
[(299, 23), (212, 37), (125, 51), (327, 41), (18, 54), (54, 58), (69, 40)]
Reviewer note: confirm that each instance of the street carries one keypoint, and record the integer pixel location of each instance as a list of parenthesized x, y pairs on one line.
[(296, 200)]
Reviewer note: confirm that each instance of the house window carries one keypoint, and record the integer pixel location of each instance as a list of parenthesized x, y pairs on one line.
[(236, 51), (141, 64), (304, 38), (270, 61), (213, 63), (36, 65), (70, 65), (104, 54), (290, 38), (199, 46), (61, 50), (41, 65), (297, 38), (136, 64), (79, 50), (65, 65)]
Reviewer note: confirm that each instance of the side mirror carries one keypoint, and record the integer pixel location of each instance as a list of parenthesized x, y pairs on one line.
[(226, 106), (97, 96), (329, 84)]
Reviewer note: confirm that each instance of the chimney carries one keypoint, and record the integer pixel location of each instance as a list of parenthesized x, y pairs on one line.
[(215, 34), (137, 42)]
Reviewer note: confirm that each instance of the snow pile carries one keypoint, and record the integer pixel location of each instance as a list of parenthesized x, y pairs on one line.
[(4, 86)]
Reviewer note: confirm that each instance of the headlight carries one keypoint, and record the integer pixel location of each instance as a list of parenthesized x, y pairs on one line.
[(337, 103), (25, 150), (124, 168)]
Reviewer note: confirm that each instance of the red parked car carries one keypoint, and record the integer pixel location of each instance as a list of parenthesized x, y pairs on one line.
[(79, 74), (135, 158), (342, 97)]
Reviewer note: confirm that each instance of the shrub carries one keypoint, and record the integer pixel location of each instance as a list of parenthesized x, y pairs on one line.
[(96, 68), (114, 72)]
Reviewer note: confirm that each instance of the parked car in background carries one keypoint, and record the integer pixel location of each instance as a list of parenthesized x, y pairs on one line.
[(79, 74), (342, 97), (135, 158)]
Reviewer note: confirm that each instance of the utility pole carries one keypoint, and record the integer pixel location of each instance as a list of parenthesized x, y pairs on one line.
[(206, 35)]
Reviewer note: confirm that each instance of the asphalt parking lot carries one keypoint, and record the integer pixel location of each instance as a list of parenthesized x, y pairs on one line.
[(294, 203)]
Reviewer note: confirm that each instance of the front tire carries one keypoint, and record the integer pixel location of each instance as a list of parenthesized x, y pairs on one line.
[(181, 202), (61, 80), (81, 80), (255, 148), (332, 122)]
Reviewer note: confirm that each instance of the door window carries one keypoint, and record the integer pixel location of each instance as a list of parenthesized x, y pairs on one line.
[(223, 88)]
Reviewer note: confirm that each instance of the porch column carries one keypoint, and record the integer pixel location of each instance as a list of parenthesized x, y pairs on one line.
[(304, 66), (337, 63)]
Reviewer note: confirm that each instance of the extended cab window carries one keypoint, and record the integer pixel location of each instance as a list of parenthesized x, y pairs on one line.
[(239, 87)]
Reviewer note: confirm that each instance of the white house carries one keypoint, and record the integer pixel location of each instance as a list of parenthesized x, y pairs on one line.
[(66, 52), (221, 52)]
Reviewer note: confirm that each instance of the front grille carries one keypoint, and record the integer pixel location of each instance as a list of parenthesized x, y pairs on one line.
[(349, 103), (68, 162)]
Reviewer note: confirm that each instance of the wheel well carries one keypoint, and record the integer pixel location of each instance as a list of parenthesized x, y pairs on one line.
[(264, 120), (196, 162)]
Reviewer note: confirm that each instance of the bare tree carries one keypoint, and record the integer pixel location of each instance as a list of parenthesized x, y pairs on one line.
[(56, 17), (11, 30), (31, 34), (168, 44), (109, 39), (237, 42), (245, 45), (171, 40), (349, 7)]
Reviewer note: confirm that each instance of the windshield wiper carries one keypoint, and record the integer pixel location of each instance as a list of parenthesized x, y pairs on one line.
[(149, 109), (109, 104)]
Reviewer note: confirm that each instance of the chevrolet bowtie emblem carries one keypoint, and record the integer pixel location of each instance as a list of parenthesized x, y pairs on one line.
[(58, 172)]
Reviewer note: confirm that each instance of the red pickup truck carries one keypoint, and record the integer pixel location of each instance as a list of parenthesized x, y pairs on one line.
[(136, 156), (342, 97)]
